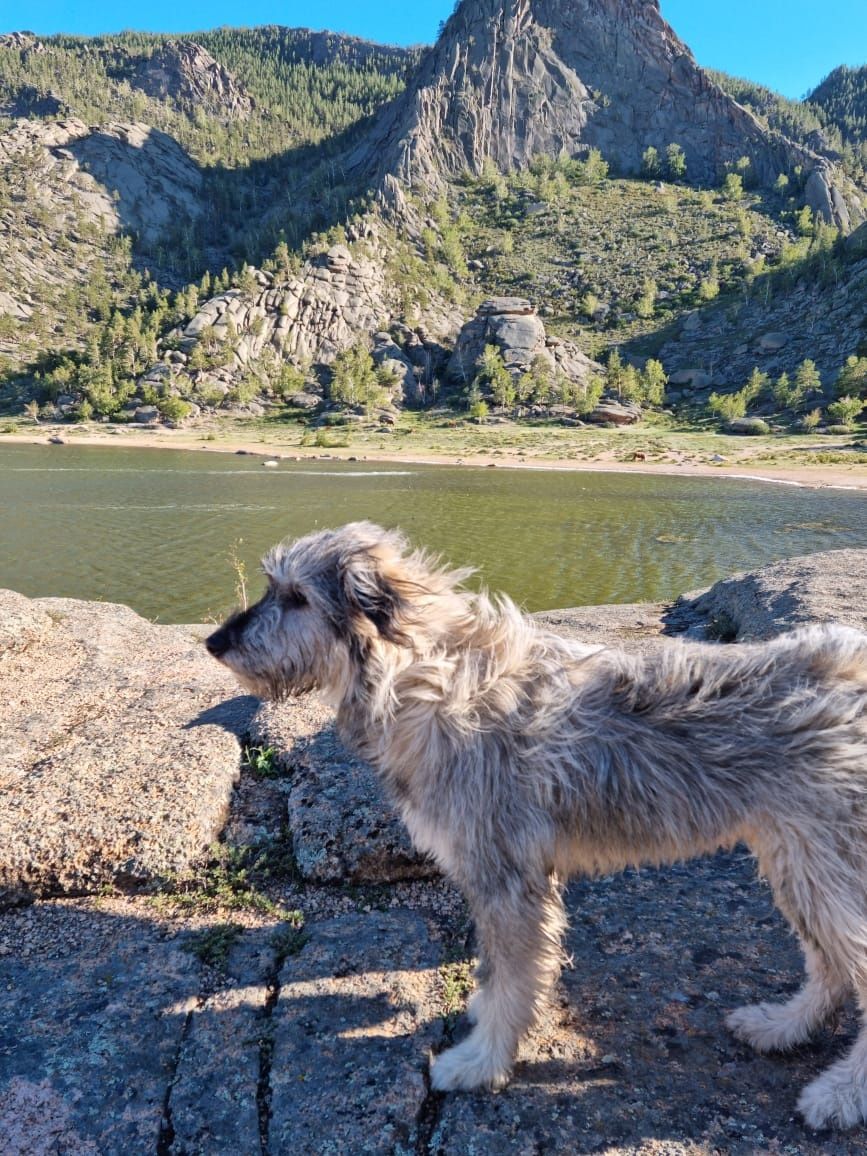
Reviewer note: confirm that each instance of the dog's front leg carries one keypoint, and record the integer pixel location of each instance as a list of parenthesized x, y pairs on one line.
[(519, 929)]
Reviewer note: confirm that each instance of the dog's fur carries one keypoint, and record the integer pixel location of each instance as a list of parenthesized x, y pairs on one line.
[(518, 759)]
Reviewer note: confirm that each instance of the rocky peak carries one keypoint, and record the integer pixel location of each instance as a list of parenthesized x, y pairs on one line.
[(23, 41), (510, 80), (186, 73)]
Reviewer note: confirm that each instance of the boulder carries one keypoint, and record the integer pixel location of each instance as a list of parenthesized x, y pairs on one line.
[(615, 412), (118, 744), (693, 377), (146, 415), (772, 342), (512, 325), (747, 426)]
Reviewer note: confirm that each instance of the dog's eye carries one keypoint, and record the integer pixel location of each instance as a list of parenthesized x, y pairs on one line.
[(292, 599)]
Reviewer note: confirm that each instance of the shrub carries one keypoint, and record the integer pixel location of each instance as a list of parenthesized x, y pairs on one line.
[(852, 378), (174, 408), (811, 420), (675, 162), (733, 187), (845, 410), (727, 405), (651, 166)]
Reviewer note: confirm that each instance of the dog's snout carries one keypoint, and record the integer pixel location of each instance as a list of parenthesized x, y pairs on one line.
[(218, 643)]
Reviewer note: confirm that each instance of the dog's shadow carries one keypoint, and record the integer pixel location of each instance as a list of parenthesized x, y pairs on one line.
[(318, 1039), (234, 715)]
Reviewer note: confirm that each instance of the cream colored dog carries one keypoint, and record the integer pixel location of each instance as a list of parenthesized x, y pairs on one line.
[(518, 759)]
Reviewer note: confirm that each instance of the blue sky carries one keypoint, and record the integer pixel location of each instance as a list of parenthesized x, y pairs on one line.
[(786, 44)]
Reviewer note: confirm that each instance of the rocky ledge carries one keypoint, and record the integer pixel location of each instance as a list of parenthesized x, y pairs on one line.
[(207, 1019)]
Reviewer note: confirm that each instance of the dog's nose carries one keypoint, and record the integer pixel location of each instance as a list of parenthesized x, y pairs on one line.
[(218, 643)]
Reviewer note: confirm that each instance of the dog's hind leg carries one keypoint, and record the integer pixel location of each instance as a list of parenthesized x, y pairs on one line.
[(776, 1027), (805, 875), (839, 1096), (520, 932)]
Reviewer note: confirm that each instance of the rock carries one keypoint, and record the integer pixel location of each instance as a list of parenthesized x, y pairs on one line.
[(618, 413), (512, 325), (146, 415), (693, 377), (304, 400), (28, 101), (214, 1096), (186, 73), (358, 1010), (748, 426), (119, 747), (611, 76), (772, 342), (829, 587), (107, 995)]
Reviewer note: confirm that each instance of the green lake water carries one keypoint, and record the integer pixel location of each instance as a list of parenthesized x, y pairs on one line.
[(156, 528)]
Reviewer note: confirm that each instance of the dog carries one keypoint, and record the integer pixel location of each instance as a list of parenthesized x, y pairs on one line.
[(518, 759)]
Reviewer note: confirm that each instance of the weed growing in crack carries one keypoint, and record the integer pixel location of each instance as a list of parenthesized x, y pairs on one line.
[(263, 762), (231, 878), (213, 945), (456, 983)]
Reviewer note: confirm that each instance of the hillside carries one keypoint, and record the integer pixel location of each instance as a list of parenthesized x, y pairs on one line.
[(842, 98), (222, 222)]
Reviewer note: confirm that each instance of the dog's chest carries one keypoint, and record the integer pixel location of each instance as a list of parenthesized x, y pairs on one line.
[(429, 837)]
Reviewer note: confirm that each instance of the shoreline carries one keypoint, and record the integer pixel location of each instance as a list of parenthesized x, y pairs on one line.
[(834, 476)]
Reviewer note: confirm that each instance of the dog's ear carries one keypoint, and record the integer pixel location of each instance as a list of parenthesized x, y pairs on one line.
[(373, 595)]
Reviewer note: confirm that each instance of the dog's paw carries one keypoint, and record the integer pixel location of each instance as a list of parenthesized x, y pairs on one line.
[(465, 1067), (767, 1027), (835, 1099)]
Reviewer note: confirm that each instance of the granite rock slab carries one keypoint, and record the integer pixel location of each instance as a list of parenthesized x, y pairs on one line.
[(120, 742)]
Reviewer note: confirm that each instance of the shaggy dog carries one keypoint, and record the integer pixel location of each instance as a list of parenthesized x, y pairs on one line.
[(518, 759)]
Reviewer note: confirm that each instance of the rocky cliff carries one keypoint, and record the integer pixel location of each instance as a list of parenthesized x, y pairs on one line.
[(184, 72), (509, 81)]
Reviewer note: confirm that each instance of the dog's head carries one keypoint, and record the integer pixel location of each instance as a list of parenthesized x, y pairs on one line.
[(334, 599)]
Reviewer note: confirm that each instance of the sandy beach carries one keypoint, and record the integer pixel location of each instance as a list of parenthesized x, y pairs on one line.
[(742, 464)]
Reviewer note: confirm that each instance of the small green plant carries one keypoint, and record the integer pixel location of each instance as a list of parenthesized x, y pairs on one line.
[(327, 440), (213, 945), (810, 421), (289, 937), (262, 761), (727, 406), (231, 878), (733, 187), (721, 627), (456, 981)]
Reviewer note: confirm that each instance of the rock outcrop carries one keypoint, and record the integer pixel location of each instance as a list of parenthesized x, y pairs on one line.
[(719, 346), (186, 74), (339, 297), (119, 747), (513, 326), (508, 82), (82, 186)]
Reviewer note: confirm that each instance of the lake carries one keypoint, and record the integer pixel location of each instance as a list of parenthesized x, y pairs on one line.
[(156, 529)]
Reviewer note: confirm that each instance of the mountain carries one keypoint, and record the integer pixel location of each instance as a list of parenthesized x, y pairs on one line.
[(215, 221), (507, 82)]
